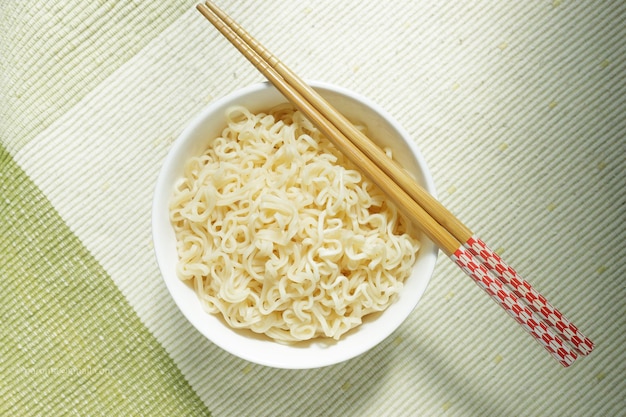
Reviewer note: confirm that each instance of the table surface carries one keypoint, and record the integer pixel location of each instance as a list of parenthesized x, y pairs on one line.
[(519, 111)]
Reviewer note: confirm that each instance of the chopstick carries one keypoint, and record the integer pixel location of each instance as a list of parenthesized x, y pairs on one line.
[(455, 239)]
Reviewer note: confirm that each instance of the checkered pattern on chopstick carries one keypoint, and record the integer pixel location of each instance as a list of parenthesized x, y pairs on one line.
[(531, 310)]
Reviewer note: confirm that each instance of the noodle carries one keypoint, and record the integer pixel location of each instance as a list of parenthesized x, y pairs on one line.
[(279, 233)]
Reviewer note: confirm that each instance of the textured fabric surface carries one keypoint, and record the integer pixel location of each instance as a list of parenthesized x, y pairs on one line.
[(518, 108)]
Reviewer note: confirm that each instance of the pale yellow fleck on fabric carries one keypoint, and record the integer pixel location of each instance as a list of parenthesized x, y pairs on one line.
[(499, 251), (557, 3), (497, 359), (552, 206), (456, 86), (601, 165), (449, 296), (503, 146), (605, 63), (307, 10), (247, 369), (446, 406), (346, 386), (553, 104), (397, 340), (355, 68), (208, 98), (165, 140), (451, 189), (601, 269), (503, 46), (600, 376)]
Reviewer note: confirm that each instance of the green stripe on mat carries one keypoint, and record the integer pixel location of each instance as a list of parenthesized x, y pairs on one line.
[(54, 53), (70, 340)]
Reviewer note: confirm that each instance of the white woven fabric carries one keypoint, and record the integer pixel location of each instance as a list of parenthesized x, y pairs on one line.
[(518, 108)]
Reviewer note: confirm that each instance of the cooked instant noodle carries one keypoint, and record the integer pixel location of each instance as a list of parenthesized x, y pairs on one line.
[(280, 234)]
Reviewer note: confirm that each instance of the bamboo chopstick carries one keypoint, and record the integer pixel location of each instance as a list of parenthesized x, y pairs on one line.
[(454, 238), (433, 207)]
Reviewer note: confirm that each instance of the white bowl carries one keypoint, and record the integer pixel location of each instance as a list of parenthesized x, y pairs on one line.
[(384, 130)]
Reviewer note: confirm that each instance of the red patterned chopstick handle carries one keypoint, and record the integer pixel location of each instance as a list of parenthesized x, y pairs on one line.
[(509, 302), (524, 290)]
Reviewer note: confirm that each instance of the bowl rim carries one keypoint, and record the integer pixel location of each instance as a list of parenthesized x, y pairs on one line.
[(162, 192)]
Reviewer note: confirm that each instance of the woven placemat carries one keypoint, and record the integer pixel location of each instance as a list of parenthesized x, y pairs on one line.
[(518, 109)]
